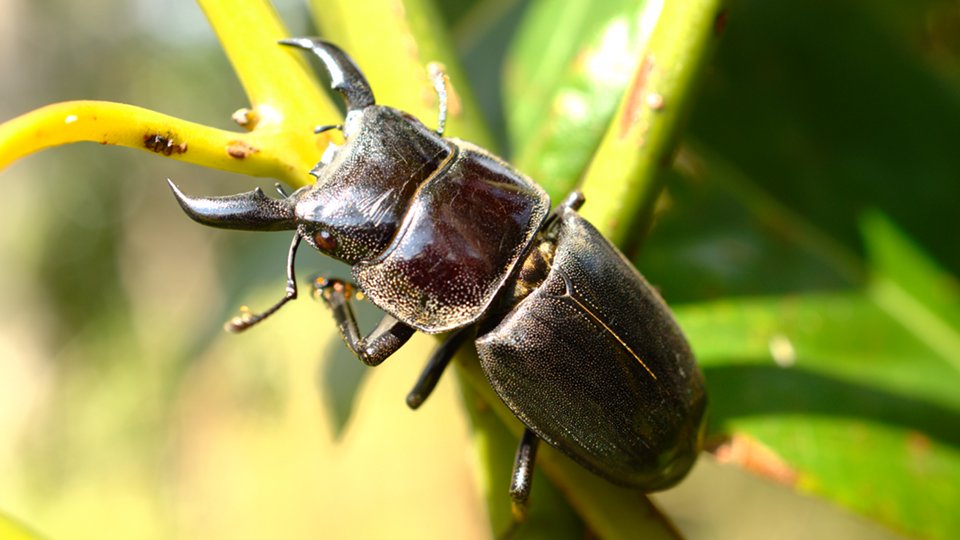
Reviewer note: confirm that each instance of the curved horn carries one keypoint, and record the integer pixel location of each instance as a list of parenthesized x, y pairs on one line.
[(345, 76), (250, 211)]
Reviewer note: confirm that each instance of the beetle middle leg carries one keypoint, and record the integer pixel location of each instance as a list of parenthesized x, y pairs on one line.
[(522, 479), (438, 362), (379, 344)]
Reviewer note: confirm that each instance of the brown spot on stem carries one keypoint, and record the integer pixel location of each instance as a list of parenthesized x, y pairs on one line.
[(720, 22), (240, 150), (635, 96), (166, 145)]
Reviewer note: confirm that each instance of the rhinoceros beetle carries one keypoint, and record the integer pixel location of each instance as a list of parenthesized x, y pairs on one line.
[(443, 236)]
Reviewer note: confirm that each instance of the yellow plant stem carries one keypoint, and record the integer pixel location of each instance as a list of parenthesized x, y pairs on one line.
[(286, 99), (276, 79), (135, 127)]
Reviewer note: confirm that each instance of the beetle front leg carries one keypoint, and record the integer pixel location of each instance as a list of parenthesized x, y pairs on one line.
[(246, 319), (373, 349)]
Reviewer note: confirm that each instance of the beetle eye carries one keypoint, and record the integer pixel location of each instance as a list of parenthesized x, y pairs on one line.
[(325, 240)]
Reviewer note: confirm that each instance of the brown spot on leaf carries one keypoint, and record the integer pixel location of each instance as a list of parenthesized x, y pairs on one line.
[(163, 144), (755, 457), (240, 150), (918, 444)]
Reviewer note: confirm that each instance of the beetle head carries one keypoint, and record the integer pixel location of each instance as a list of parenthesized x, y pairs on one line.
[(363, 188)]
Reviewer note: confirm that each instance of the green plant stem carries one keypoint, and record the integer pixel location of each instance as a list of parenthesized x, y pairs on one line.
[(622, 182)]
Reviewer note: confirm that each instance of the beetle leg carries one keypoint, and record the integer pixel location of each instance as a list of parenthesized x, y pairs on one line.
[(574, 200), (322, 129), (522, 479), (373, 349), (246, 319), (440, 85), (438, 362)]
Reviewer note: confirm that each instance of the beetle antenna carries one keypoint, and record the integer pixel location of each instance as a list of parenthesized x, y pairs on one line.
[(440, 85)]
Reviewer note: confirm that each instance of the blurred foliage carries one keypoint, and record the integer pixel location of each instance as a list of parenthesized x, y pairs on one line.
[(806, 239)]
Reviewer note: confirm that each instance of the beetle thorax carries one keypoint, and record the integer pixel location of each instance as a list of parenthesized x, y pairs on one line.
[(366, 186)]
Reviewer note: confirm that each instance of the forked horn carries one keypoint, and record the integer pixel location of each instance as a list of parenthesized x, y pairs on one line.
[(345, 76), (250, 211)]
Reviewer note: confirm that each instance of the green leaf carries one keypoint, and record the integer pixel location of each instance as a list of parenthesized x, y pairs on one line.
[(820, 376), (824, 145), (912, 289), (568, 67), (862, 412)]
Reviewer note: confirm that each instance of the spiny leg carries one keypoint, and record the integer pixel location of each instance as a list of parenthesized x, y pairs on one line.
[(379, 344), (439, 361), (522, 479), (246, 319), (440, 85)]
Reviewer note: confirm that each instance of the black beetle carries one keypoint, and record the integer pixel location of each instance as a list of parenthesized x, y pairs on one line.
[(444, 236)]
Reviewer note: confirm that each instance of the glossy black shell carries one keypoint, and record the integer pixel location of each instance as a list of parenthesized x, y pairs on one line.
[(593, 362), (464, 232), (443, 235)]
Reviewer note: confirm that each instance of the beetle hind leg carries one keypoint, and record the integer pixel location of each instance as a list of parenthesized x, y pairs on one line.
[(522, 479), (438, 362), (376, 346)]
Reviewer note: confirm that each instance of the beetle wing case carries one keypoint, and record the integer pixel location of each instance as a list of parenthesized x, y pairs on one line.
[(466, 228), (593, 362)]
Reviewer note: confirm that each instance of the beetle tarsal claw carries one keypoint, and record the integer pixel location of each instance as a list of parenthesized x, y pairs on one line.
[(241, 321), (236, 324)]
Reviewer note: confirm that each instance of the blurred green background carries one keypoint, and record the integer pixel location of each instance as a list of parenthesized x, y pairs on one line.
[(807, 240)]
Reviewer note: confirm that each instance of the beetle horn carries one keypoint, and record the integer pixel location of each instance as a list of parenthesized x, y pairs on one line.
[(250, 211), (345, 76)]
